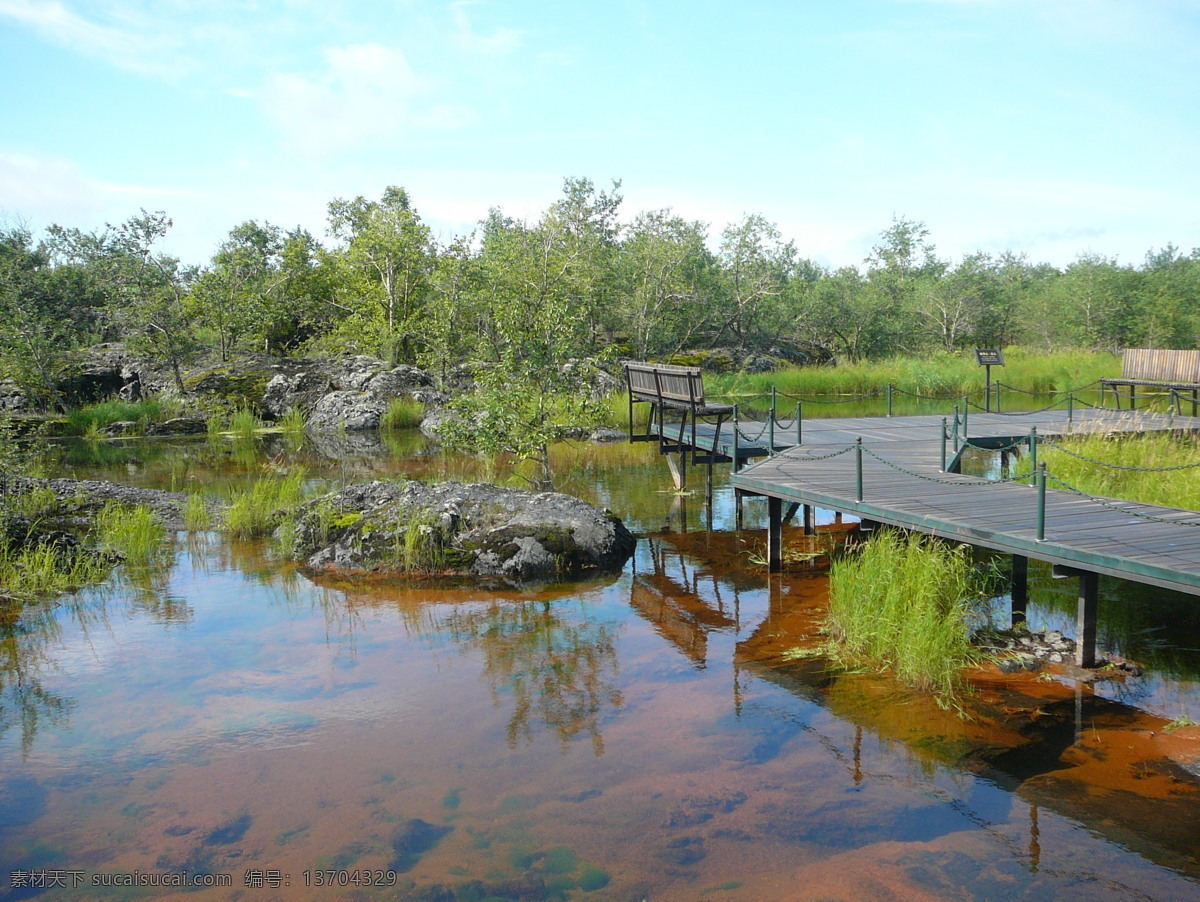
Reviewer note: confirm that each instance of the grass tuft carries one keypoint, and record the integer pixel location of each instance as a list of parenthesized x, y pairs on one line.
[(195, 513), (402, 413), (902, 603), (134, 532), (259, 510)]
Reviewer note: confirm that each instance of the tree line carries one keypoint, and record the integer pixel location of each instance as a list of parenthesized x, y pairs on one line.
[(517, 299)]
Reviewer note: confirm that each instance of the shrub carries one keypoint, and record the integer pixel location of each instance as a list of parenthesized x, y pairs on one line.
[(402, 413)]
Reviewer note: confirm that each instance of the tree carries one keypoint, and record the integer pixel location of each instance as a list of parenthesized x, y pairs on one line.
[(389, 249), (232, 296), (669, 280), (756, 264), (145, 291)]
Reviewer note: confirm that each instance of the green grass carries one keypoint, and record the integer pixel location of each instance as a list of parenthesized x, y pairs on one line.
[(902, 604), (195, 513), (91, 418), (292, 421), (944, 375), (259, 510), (1151, 452), (402, 413), (135, 532), (27, 572), (243, 423)]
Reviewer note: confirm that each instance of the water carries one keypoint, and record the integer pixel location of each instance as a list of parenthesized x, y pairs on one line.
[(654, 735)]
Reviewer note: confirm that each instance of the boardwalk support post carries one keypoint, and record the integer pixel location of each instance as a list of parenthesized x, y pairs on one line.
[(1087, 612), (774, 534), (858, 448), (810, 528), (1041, 513), (1019, 589)]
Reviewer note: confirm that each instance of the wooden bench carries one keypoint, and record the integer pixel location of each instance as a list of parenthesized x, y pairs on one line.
[(1153, 368), (678, 388)]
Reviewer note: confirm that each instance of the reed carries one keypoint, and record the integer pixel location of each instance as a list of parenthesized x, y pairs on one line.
[(902, 603), (292, 422), (402, 413), (943, 375), (135, 532), (47, 569), (257, 511), (93, 417), (196, 517), (243, 423), (1143, 456)]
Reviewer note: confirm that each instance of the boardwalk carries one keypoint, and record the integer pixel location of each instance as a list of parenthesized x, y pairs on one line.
[(902, 483)]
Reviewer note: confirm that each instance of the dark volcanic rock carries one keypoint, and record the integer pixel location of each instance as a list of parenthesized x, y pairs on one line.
[(460, 529), (77, 501)]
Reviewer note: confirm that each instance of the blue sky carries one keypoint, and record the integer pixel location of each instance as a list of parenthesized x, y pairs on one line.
[(1050, 127)]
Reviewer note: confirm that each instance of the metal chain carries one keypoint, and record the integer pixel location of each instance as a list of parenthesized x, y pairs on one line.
[(1101, 463), (1016, 444), (794, 453), (1063, 391), (901, 391), (1111, 505), (959, 481), (1014, 413)]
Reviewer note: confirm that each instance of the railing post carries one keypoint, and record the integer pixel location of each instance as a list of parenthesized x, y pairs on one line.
[(858, 449), (1070, 408), (889, 399), (966, 408), (1033, 461), (998, 396), (799, 422), (954, 436), (944, 444), (736, 442), (771, 426), (1041, 513)]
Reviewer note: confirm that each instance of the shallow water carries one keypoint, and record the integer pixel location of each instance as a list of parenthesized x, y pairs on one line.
[(649, 736)]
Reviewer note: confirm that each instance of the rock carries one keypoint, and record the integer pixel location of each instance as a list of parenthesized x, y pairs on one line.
[(350, 393), (460, 529), (12, 397), (121, 427), (605, 435), (77, 501), (178, 426)]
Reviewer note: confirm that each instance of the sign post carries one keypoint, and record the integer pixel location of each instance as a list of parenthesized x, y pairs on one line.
[(988, 358)]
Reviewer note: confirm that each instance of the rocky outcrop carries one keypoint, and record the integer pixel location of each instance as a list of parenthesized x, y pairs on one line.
[(459, 529), (352, 393), (77, 501)]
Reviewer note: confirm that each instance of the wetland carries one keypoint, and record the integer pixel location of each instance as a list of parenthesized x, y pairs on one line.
[(218, 715)]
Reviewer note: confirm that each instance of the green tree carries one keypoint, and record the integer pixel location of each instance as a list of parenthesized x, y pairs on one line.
[(232, 296), (388, 254), (756, 264)]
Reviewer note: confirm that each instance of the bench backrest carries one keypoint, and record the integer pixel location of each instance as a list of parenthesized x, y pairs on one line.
[(1161, 366), (663, 382)]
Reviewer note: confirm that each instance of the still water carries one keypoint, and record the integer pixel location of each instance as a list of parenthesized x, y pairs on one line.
[(221, 718)]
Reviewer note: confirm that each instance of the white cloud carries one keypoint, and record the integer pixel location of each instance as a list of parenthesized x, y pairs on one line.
[(367, 93), (502, 40), (144, 54)]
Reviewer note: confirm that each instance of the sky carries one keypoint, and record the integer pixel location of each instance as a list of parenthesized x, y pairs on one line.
[(1052, 128)]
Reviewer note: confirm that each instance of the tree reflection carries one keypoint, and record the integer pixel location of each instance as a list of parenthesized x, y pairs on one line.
[(558, 671), (24, 636)]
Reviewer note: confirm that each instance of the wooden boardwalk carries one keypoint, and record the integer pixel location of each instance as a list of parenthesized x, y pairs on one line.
[(903, 485)]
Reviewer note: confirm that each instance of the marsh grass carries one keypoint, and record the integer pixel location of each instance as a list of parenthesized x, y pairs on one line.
[(402, 413), (214, 426), (902, 603), (421, 547), (257, 511), (196, 517), (1148, 454), (943, 375), (91, 418), (292, 422), (29, 571), (243, 423), (135, 532)]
